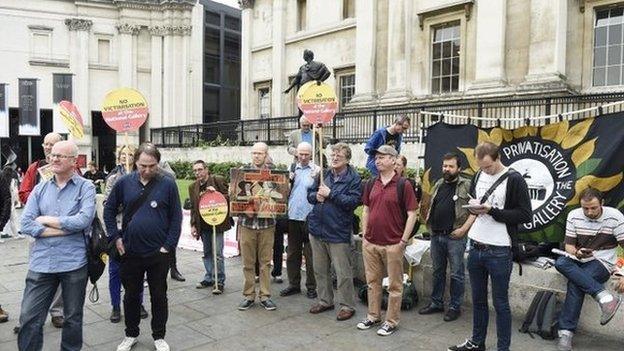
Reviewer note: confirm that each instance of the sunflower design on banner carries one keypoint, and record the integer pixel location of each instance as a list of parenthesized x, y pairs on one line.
[(557, 161)]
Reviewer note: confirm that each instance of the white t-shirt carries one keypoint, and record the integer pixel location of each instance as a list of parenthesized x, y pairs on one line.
[(485, 229)]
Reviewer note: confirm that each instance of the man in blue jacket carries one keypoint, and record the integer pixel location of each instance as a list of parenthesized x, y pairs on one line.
[(392, 135), (330, 227), (149, 234)]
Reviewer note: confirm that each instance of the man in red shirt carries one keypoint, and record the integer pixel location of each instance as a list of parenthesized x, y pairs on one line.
[(386, 226)]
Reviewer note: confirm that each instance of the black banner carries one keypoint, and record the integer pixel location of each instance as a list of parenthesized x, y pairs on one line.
[(557, 161), (28, 107), (4, 111), (61, 87)]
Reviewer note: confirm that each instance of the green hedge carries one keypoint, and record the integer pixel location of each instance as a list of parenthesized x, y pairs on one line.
[(184, 169)]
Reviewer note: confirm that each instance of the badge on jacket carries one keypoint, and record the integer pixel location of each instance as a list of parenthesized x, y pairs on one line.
[(154, 204)]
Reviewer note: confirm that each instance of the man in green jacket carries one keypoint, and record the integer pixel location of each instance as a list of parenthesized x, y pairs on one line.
[(448, 223)]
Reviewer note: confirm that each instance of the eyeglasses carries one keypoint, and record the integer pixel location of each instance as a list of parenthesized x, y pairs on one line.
[(61, 156), (338, 157)]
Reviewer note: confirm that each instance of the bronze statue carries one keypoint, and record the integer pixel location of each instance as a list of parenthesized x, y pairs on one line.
[(311, 70)]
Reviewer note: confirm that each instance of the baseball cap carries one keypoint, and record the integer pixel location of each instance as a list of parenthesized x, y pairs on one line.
[(387, 150)]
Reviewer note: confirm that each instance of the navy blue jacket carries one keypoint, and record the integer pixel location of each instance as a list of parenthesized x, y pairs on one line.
[(157, 223), (332, 221), (374, 142)]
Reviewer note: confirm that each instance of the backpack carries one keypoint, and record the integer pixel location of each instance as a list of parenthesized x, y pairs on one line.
[(368, 186), (409, 298), (542, 318)]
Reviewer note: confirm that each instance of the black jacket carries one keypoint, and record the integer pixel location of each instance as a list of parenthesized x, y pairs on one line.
[(517, 209)]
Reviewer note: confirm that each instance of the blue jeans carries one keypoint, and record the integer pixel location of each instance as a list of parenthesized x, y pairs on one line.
[(38, 295), (206, 236), (495, 263), (446, 249), (583, 278), (114, 284)]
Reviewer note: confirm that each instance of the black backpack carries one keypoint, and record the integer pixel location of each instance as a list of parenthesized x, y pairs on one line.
[(542, 318), (409, 299)]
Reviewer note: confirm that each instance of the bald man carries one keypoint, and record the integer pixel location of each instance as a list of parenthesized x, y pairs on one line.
[(56, 216), (256, 242)]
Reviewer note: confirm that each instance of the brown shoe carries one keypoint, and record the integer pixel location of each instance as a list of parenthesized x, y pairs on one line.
[(3, 315), (318, 308), (57, 321), (345, 314)]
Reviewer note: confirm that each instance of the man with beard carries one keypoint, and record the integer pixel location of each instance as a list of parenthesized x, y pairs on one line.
[(448, 223)]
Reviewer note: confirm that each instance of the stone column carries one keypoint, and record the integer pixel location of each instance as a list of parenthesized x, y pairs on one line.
[(246, 89), (365, 46), (185, 108), (279, 58), (127, 63), (399, 43), (168, 79), (547, 50), (79, 65), (490, 48), (156, 81)]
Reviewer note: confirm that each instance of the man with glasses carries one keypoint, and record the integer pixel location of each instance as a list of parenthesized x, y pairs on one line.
[(206, 182), (330, 226), (56, 215), (31, 178), (392, 135)]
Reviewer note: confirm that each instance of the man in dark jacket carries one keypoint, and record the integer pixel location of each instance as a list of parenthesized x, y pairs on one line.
[(330, 225), (146, 240), (500, 203), (392, 135), (206, 182)]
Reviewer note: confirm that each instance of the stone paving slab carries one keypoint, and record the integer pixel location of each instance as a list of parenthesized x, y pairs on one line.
[(199, 320)]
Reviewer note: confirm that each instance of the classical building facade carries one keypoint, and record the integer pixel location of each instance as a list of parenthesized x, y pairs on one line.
[(402, 52), (94, 46)]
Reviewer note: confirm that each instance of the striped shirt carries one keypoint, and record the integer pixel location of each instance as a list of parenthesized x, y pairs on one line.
[(601, 234)]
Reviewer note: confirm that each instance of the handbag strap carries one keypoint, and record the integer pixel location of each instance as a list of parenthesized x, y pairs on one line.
[(498, 182), (134, 206)]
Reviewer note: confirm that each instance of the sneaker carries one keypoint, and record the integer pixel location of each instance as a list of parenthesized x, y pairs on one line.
[(565, 341), (218, 290), (245, 304), (257, 280), (144, 313), (278, 279), (609, 309), (386, 329), (161, 345), (4, 317), (127, 343), (311, 294), (367, 324), (468, 345), (268, 305), (203, 285), (57, 321)]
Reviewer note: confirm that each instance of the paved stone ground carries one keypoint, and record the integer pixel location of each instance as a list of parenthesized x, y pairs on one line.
[(199, 320)]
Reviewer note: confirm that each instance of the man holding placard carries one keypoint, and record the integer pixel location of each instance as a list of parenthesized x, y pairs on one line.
[(208, 183)]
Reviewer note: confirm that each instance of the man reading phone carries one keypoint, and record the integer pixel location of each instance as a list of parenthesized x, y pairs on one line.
[(594, 231)]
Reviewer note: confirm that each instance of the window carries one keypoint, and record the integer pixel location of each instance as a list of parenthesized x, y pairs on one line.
[(608, 44), (211, 104), (445, 52), (301, 14), (104, 51), (40, 45), (264, 102), (232, 23), (347, 88), (213, 18), (348, 9)]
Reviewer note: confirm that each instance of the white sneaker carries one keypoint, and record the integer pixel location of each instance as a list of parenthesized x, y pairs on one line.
[(127, 344), (161, 345)]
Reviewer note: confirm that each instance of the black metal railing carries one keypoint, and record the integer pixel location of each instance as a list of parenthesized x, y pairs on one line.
[(356, 126)]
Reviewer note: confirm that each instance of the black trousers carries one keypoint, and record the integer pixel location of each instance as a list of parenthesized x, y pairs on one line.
[(298, 246), (132, 270)]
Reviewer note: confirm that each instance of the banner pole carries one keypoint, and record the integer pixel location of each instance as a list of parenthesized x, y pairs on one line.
[(214, 257), (127, 148), (313, 143), (321, 153)]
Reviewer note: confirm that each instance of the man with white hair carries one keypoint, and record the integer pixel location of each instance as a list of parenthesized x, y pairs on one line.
[(56, 215), (301, 178)]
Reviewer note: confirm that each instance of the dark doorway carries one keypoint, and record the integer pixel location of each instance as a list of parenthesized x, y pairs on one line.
[(104, 142)]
